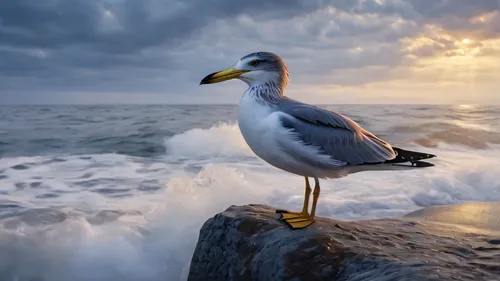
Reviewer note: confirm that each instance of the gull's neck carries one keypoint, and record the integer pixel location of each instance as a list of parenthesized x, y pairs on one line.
[(268, 91)]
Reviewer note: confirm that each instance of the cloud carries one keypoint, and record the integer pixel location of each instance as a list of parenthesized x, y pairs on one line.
[(158, 50)]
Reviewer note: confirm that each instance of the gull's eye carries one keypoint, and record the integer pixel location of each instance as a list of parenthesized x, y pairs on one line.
[(254, 63)]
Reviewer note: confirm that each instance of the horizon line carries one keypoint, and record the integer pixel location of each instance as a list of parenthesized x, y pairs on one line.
[(223, 104)]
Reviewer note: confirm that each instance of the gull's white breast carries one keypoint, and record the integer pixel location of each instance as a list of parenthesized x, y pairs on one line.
[(260, 126)]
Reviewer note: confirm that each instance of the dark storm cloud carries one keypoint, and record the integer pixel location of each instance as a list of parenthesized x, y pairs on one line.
[(140, 24), (60, 44), (159, 45), (69, 38)]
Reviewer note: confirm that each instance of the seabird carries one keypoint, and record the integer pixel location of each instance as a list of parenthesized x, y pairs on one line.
[(304, 139)]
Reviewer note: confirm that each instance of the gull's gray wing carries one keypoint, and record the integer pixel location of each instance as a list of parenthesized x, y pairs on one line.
[(332, 134)]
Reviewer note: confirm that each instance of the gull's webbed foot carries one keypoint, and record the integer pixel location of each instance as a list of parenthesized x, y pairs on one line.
[(292, 215), (299, 222), (295, 220)]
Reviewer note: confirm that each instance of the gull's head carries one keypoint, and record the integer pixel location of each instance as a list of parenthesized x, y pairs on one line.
[(255, 68)]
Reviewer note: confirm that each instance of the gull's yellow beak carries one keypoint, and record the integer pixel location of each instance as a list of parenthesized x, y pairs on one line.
[(224, 75)]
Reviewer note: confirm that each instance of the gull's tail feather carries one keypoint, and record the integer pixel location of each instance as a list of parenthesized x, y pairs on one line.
[(406, 156)]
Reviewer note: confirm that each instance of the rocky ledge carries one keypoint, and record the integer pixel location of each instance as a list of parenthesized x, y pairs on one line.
[(249, 243)]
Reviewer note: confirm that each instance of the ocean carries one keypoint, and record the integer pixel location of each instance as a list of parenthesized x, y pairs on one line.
[(119, 192)]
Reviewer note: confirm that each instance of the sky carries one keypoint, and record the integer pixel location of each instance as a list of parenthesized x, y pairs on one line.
[(337, 51)]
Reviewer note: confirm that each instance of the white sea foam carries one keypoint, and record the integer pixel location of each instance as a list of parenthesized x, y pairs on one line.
[(223, 140), (204, 172)]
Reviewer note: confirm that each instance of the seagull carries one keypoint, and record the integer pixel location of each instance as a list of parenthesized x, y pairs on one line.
[(304, 139)]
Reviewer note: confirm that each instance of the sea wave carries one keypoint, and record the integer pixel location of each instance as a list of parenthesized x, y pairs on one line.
[(150, 235), (222, 140), (91, 214)]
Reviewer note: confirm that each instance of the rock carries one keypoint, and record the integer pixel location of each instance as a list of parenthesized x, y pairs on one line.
[(249, 243)]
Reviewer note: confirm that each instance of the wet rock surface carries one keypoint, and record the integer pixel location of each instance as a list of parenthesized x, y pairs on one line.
[(249, 243)]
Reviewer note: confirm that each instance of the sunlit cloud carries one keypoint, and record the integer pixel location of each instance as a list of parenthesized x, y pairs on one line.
[(484, 18)]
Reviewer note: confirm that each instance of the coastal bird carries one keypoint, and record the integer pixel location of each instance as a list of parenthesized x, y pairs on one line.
[(304, 139)]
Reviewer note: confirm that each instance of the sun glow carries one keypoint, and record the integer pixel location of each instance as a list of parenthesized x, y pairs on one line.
[(436, 42), (452, 60)]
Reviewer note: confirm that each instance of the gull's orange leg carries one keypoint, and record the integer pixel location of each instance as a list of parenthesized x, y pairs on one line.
[(304, 219), (305, 206)]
